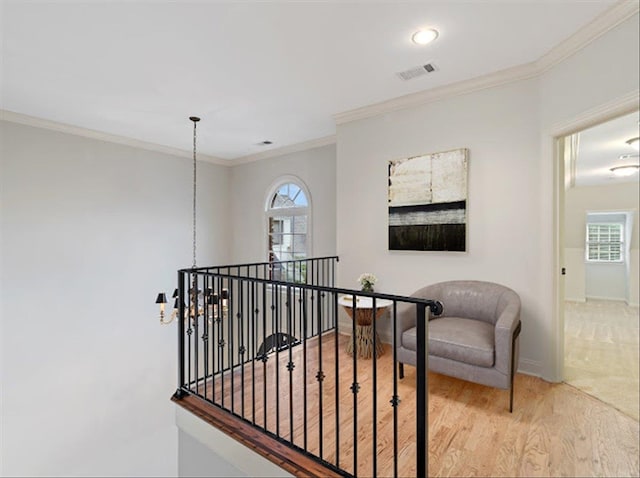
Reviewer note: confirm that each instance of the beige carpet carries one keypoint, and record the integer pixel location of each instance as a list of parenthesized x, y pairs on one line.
[(602, 352)]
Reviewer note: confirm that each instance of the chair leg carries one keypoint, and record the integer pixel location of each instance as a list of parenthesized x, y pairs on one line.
[(516, 333), (401, 369), (511, 397), (511, 385)]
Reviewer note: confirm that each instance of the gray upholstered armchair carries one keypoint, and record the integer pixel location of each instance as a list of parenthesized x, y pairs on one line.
[(475, 338)]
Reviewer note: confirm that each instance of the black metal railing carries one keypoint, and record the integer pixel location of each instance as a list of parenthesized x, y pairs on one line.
[(261, 341)]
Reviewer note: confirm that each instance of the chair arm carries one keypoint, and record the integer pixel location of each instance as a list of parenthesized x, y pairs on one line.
[(506, 326)]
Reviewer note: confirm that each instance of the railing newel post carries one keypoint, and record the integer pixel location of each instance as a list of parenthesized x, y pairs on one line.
[(422, 428), (180, 393)]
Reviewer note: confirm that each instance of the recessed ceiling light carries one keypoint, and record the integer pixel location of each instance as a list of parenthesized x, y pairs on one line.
[(627, 156), (267, 142), (633, 142), (625, 170), (422, 37)]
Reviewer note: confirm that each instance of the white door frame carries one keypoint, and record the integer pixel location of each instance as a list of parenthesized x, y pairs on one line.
[(624, 105)]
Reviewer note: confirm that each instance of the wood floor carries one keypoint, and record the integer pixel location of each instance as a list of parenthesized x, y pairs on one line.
[(602, 352), (555, 429)]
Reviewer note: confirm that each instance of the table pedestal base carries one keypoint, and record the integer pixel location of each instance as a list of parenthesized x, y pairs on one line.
[(364, 343)]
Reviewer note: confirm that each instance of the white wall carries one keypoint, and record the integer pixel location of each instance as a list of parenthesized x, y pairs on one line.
[(509, 131), (606, 280), (207, 451), (575, 280), (250, 186), (499, 126), (91, 231)]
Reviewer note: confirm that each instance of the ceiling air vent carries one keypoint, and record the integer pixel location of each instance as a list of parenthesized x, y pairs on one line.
[(416, 72)]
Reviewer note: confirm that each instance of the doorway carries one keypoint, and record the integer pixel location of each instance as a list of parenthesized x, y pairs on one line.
[(599, 251)]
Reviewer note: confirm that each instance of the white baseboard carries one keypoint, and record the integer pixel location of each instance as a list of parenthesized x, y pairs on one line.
[(613, 299), (571, 299), (530, 367)]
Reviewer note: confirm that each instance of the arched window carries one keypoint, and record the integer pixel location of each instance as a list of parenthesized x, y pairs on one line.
[(288, 228)]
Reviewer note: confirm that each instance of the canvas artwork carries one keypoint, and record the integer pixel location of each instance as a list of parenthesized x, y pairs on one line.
[(428, 202)]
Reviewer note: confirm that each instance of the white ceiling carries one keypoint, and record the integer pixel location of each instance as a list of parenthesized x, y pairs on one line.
[(600, 148), (254, 71)]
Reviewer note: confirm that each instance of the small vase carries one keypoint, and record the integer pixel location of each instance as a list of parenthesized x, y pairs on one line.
[(367, 288)]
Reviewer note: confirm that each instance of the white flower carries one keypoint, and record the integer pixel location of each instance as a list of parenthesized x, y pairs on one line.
[(367, 279)]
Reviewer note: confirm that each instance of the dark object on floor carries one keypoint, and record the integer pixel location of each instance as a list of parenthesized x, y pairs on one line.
[(278, 341)]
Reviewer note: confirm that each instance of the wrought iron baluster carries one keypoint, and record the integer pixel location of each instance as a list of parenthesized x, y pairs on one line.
[(312, 302), (290, 366), (336, 352), (374, 395), (355, 388), (189, 334), (264, 357), (422, 426), (254, 318), (215, 366), (276, 289), (230, 329), (242, 349), (395, 400), (181, 336), (193, 313), (320, 375), (205, 333), (304, 361), (221, 341)]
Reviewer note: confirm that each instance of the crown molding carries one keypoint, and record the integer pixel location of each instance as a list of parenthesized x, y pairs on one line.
[(622, 105), (27, 120), (608, 20), (508, 75), (292, 148)]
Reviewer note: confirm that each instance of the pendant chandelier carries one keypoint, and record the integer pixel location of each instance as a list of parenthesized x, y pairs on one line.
[(161, 299)]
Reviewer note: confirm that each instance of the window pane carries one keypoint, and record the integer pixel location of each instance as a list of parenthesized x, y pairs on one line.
[(604, 242), (301, 200), (300, 224), (288, 195), (287, 232)]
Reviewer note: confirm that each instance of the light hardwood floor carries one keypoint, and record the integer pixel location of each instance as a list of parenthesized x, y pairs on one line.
[(602, 352), (555, 429)]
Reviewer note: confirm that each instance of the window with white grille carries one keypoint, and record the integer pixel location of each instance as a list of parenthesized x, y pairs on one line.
[(605, 242), (288, 219)]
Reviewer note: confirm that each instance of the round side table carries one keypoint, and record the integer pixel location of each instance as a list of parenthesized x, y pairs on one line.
[(362, 342)]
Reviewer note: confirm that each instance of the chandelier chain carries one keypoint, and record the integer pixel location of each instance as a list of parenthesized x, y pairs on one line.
[(194, 193)]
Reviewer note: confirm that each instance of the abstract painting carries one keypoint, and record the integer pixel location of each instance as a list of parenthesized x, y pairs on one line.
[(428, 202)]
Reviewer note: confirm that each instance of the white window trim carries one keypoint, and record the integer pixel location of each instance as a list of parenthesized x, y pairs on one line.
[(622, 243), (297, 211)]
